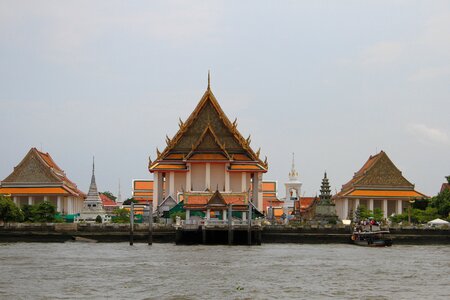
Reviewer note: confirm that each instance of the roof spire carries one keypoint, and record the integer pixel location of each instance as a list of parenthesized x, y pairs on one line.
[(209, 80), (93, 165), (293, 175)]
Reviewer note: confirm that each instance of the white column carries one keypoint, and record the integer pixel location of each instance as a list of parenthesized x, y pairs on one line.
[(208, 214), (385, 209), (30, 200), (70, 205), (46, 198), (155, 189), (58, 204), (399, 207), (208, 176), (188, 214), (188, 178), (244, 216), (227, 179), (371, 204), (224, 214), (255, 192), (244, 182), (356, 205), (15, 199), (172, 184), (345, 208)]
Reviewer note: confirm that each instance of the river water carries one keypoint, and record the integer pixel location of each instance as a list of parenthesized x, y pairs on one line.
[(270, 271)]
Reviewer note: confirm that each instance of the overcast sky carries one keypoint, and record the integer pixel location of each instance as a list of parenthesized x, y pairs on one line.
[(332, 81)]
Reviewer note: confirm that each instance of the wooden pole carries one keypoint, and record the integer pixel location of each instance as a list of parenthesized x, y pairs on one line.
[(131, 223), (230, 225), (249, 228), (150, 223)]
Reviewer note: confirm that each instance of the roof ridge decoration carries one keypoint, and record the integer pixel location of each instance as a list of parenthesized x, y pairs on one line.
[(207, 130), (206, 108)]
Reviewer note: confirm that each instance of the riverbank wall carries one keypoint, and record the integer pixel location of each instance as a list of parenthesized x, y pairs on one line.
[(61, 232)]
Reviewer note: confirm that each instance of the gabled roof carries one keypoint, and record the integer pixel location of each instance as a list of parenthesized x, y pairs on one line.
[(216, 200), (106, 201), (38, 169), (207, 132), (379, 177)]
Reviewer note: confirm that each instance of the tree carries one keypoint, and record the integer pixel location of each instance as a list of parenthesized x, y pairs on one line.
[(121, 215), (98, 219), (442, 203), (109, 195), (129, 200), (9, 211), (43, 212)]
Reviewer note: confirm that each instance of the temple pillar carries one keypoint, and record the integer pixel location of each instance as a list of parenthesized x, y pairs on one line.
[(172, 185), (158, 188), (69, 205), (255, 192), (345, 209), (208, 176), (227, 179), (371, 204), (188, 214), (356, 204), (244, 182), (58, 204), (399, 207), (385, 208), (188, 178), (208, 214), (224, 215), (30, 200), (244, 216), (15, 200)]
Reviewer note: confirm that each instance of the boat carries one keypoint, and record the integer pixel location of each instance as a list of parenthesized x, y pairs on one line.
[(380, 238)]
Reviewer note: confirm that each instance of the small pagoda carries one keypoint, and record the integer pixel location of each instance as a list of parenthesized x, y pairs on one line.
[(92, 206), (325, 210)]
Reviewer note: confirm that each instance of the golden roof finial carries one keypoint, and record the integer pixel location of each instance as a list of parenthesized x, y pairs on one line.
[(209, 80)]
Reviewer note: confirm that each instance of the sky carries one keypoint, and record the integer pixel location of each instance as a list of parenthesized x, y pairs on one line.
[(332, 81)]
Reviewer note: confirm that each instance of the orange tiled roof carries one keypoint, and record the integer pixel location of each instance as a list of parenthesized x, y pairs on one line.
[(106, 201), (143, 185), (384, 193), (239, 167), (169, 167), (241, 157), (305, 203), (34, 191), (268, 186), (207, 156)]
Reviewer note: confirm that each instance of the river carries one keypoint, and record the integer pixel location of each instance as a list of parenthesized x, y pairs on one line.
[(271, 271)]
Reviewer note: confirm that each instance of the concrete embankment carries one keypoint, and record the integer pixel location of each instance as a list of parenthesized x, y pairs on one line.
[(24, 232)]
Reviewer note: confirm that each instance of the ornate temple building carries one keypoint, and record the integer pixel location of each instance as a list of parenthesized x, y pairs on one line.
[(378, 184), (208, 162), (38, 178)]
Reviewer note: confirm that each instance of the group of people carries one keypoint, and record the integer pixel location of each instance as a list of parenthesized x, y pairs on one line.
[(363, 224)]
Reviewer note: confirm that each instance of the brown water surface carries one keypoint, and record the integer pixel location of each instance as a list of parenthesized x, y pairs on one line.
[(275, 271)]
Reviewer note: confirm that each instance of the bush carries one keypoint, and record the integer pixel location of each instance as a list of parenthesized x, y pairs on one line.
[(98, 219), (121, 215), (9, 212), (43, 212), (181, 214)]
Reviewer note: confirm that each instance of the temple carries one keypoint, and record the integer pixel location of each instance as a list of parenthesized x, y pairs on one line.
[(208, 163), (378, 184), (293, 190), (38, 178)]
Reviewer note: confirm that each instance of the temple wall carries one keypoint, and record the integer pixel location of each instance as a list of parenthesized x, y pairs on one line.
[(198, 174), (180, 183), (235, 182), (217, 177)]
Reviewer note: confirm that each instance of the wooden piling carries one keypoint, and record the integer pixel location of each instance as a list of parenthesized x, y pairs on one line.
[(150, 224), (230, 224), (249, 227), (131, 223)]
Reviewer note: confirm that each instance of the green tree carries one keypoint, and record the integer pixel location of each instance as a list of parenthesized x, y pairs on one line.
[(181, 214), (98, 219), (9, 211), (442, 203), (378, 214), (43, 212), (129, 200), (109, 195), (121, 215)]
